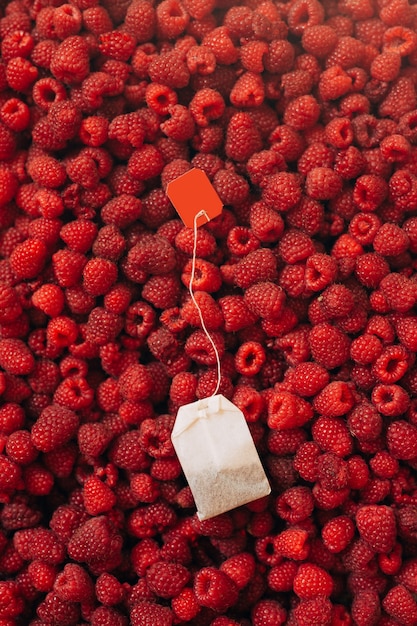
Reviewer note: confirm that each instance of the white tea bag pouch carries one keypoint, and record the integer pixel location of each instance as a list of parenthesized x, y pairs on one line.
[(217, 454)]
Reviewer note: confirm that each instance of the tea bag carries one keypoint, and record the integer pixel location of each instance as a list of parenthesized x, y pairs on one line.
[(217, 454)]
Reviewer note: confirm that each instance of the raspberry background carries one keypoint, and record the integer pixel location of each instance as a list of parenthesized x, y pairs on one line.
[(303, 115)]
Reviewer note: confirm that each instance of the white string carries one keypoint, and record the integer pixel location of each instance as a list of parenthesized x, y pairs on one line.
[(190, 289)]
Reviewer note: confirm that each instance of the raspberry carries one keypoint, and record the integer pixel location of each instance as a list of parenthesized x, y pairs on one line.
[(248, 91), (400, 604), (311, 581), (148, 613), (390, 400), (332, 435), (364, 422), (140, 20), (28, 258), (329, 346), (167, 579), (169, 69), (334, 400), (117, 45), (121, 211), (302, 113), (98, 276), (249, 358), (97, 543), (15, 357), (146, 162), (214, 589), (268, 612), (400, 440), (98, 497), (55, 426), (285, 410), (322, 183), (282, 191), (219, 41), (316, 155), (74, 584), (265, 299), (376, 525), (259, 265), (70, 62)]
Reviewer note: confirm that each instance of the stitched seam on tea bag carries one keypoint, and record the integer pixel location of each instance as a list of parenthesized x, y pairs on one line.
[(190, 289)]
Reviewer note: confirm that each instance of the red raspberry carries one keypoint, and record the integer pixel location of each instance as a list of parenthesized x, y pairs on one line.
[(267, 613), (319, 40), (219, 41), (97, 543), (390, 400), (55, 426), (66, 21), (364, 422), (292, 544), (332, 435), (400, 604), (335, 399), (146, 162), (302, 113), (318, 610), (98, 497), (249, 358), (265, 299), (400, 99), (259, 265), (106, 616), (15, 357), (329, 346), (377, 527), (39, 543), (400, 440), (117, 45), (338, 533), (322, 183), (109, 244), (28, 258), (282, 191), (390, 240), (20, 74), (311, 581), (70, 62), (11, 475), (215, 589), (267, 225), (169, 69), (317, 154), (109, 590), (47, 171), (121, 211), (140, 20), (74, 584), (98, 276), (61, 331), (167, 579), (148, 613), (20, 449), (287, 411), (248, 91)]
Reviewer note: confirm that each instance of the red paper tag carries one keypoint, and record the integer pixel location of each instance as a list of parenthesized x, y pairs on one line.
[(191, 193)]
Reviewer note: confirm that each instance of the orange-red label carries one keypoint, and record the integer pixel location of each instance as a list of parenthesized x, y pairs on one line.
[(192, 193)]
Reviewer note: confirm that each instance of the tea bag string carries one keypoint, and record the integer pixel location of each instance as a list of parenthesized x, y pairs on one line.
[(190, 289)]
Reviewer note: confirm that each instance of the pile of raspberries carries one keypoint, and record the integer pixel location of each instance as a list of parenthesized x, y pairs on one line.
[(303, 115)]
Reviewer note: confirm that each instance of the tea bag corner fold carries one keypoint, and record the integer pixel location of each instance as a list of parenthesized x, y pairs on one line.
[(218, 456)]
